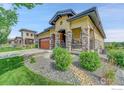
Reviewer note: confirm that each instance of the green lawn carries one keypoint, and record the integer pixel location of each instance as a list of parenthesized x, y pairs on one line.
[(23, 76), (13, 72), (6, 49)]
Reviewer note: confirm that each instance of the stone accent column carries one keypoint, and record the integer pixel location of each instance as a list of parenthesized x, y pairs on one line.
[(57, 39), (68, 40), (85, 39), (51, 41)]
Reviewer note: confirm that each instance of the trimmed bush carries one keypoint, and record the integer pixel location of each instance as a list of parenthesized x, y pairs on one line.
[(62, 58), (10, 63), (116, 57), (89, 60)]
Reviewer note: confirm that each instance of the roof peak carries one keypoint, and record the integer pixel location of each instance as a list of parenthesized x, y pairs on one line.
[(65, 10), (61, 13)]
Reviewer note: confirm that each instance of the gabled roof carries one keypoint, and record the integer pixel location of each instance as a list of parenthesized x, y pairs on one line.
[(60, 13), (94, 16), (47, 29), (23, 29)]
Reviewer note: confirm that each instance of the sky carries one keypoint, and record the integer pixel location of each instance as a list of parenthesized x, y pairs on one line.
[(37, 19)]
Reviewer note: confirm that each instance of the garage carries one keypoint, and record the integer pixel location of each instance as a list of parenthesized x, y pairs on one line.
[(45, 43)]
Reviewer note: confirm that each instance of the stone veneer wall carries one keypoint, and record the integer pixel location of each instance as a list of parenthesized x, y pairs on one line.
[(51, 41), (84, 36), (97, 46), (68, 40), (57, 39)]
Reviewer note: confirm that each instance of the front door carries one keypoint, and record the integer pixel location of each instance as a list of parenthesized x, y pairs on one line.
[(62, 40)]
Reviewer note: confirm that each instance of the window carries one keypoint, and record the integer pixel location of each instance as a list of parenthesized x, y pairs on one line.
[(27, 34), (31, 34), (61, 22)]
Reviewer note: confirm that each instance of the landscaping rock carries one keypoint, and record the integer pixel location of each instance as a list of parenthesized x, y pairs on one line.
[(45, 66)]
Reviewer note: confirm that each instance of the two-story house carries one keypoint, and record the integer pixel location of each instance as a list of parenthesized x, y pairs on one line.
[(28, 36)]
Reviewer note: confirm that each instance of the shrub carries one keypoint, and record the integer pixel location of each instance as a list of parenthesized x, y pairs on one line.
[(32, 60), (116, 57), (89, 60), (36, 45), (110, 76), (10, 63), (62, 58), (55, 52)]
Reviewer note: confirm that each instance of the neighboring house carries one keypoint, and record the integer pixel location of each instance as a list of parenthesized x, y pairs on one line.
[(73, 31), (28, 36), (18, 41), (11, 42)]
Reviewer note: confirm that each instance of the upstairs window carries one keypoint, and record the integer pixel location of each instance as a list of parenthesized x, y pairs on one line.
[(31, 34)]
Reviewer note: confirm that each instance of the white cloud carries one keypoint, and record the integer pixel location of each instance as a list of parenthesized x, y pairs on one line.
[(115, 35)]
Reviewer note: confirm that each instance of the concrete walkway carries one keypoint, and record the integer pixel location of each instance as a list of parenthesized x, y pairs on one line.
[(22, 52)]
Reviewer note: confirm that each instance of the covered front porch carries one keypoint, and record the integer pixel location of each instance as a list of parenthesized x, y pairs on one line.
[(83, 39), (78, 39)]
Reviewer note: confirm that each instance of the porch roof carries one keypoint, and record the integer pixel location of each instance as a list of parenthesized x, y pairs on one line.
[(47, 29), (94, 16)]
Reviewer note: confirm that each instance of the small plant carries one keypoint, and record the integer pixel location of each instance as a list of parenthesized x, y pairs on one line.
[(116, 57), (32, 59), (89, 61), (110, 76), (62, 58)]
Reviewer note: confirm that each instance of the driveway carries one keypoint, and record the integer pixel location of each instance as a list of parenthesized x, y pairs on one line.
[(22, 52)]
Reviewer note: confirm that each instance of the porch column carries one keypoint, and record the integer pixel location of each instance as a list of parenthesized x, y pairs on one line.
[(57, 39), (85, 39), (68, 40), (50, 41)]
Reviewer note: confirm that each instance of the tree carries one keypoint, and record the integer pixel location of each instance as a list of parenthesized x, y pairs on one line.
[(9, 18)]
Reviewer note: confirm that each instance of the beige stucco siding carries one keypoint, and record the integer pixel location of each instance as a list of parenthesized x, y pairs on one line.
[(97, 34), (76, 34), (44, 35), (52, 31), (24, 33), (80, 22), (62, 23)]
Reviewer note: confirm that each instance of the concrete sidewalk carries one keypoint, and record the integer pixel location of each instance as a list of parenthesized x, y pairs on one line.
[(22, 52)]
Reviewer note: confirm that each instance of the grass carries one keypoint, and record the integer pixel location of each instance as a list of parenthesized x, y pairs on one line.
[(8, 64), (7, 49), (23, 76), (13, 72)]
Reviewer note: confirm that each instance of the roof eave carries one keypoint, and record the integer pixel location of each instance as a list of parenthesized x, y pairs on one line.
[(85, 13)]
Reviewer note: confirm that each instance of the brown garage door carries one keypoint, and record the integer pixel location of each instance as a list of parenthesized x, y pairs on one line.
[(44, 43)]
